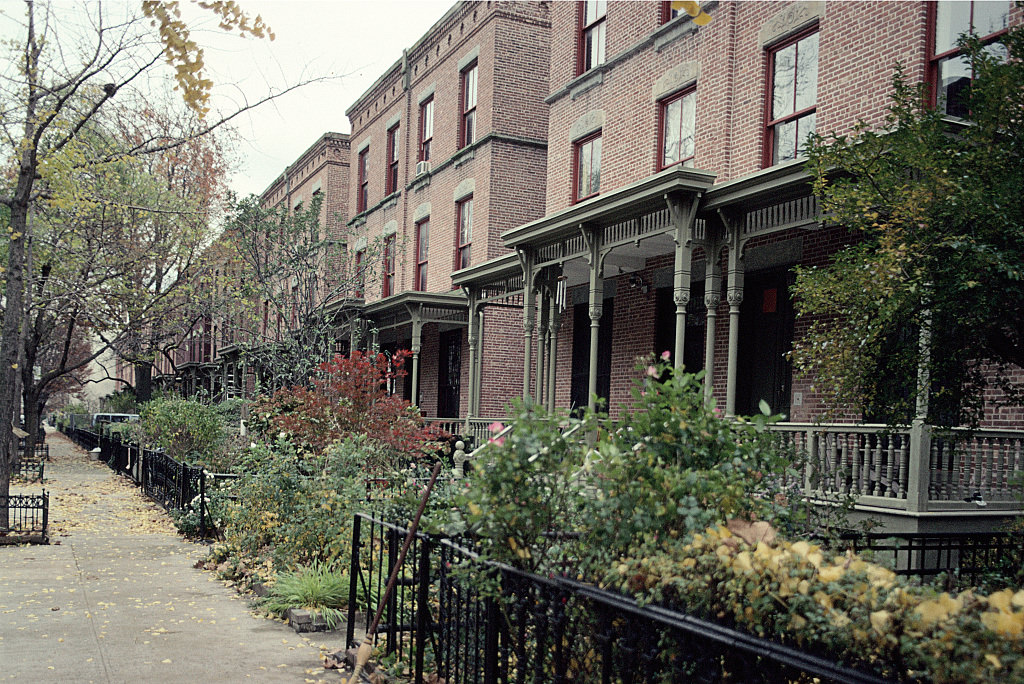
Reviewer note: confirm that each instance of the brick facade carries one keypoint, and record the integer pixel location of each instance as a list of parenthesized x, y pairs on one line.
[(502, 171)]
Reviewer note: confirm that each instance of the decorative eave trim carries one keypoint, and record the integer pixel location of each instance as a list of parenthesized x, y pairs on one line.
[(771, 184), (614, 206), (488, 271)]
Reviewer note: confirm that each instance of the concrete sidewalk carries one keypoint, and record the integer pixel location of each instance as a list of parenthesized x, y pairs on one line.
[(115, 597)]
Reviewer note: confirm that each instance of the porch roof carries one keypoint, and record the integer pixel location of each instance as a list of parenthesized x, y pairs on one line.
[(626, 202), (429, 307)]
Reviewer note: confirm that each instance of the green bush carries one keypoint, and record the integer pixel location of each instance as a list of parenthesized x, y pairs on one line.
[(187, 430), (316, 587)]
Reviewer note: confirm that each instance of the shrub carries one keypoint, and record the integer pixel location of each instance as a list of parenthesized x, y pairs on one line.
[(348, 397), (187, 430)]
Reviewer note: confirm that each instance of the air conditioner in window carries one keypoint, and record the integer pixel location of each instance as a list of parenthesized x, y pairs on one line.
[(422, 168)]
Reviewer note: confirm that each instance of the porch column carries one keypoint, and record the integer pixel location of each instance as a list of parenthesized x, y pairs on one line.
[(596, 306), (918, 471), (543, 339), (683, 214), (735, 297), (472, 335), (353, 335), (712, 296), (554, 323), (416, 314), (529, 317), (479, 363)]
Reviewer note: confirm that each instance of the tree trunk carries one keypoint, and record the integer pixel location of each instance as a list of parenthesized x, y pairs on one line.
[(143, 383), (31, 400)]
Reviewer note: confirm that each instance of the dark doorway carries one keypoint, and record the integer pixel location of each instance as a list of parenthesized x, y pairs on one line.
[(449, 376), (696, 322), (579, 390), (766, 335)]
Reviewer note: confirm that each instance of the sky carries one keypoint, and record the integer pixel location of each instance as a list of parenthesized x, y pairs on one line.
[(353, 41)]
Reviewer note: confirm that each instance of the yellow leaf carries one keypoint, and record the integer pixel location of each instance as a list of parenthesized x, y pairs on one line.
[(880, 621), (994, 659), (1007, 624), (831, 574)]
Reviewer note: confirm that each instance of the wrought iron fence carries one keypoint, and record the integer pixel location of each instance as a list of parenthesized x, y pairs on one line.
[(966, 558), (29, 470), (25, 517), (528, 628)]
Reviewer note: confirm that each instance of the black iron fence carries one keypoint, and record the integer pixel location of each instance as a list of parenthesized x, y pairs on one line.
[(528, 628), (29, 469), (964, 558), (24, 517)]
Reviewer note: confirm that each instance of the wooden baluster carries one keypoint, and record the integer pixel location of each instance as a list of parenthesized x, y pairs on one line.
[(856, 483)]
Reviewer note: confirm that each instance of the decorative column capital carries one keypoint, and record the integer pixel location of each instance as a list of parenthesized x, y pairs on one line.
[(595, 312), (711, 301), (681, 298), (735, 298)]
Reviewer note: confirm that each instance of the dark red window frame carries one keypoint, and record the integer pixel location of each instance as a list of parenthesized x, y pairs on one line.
[(592, 35), (426, 128), (663, 106), (468, 86), (391, 181), (667, 13), (581, 149), (463, 233), (422, 253), (948, 54), (388, 267), (363, 189), (803, 113)]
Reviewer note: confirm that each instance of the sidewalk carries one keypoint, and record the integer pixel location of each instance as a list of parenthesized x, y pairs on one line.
[(115, 597)]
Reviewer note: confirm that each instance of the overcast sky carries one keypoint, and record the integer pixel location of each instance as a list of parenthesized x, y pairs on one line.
[(355, 40)]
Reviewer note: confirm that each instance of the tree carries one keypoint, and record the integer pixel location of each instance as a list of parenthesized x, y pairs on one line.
[(925, 310), (289, 274), (51, 88)]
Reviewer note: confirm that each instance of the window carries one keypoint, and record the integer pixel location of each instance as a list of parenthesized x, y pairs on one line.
[(468, 131), (952, 71), (422, 248), (391, 181), (360, 283), (388, 285), (364, 180), (426, 128), (678, 117), (587, 171), (793, 96), (592, 34), (464, 233)]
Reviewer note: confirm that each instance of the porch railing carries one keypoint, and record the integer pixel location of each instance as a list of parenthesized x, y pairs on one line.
[(915, 468), (477, 429)]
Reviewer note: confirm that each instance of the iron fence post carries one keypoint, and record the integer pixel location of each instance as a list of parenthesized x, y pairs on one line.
[(353, 585), (46, 515), (202, 504), (422, 607), (491, 634)]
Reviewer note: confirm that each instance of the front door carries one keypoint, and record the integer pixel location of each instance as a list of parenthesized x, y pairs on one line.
[(766, 336), (449, 375), (578, 392)]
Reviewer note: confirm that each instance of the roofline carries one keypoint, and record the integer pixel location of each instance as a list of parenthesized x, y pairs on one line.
[(327, 136), (507, 264)]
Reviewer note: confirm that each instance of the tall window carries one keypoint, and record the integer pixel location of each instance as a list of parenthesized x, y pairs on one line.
[(793, 97), (678, 121), (952, 72), (422, 247), (587, 172), (360, 284), (464, 237), (364, 180), (391, 181), (592, 34), (426, 128), (468, 130), (388, 267)]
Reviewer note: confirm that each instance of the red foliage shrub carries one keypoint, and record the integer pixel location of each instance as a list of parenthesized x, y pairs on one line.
[(349, 396)]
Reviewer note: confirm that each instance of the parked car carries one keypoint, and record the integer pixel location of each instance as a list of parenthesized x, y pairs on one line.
[(105, 418)]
